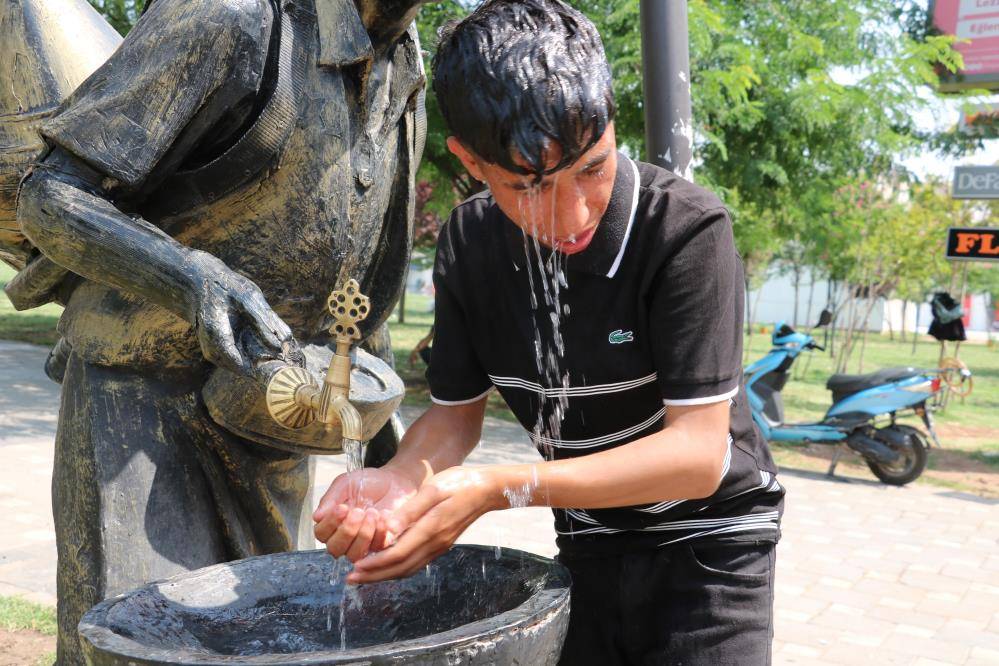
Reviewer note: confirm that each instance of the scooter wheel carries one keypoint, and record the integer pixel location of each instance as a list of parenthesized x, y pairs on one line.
[(911, 461)]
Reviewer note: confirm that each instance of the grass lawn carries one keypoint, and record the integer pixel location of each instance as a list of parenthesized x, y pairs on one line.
[(20, 615), (36, 326), (27, 632), (419, 319), (968, 428)]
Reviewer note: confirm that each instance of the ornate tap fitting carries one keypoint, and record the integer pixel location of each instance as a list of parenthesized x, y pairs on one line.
[(295, 400)]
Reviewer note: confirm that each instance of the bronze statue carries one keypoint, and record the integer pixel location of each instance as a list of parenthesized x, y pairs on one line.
[(205, 190)]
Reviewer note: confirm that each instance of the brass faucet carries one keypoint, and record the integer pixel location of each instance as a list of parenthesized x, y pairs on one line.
[(295, 400)]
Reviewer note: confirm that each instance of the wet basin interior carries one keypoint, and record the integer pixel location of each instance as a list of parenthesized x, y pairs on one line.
[(286, 604)]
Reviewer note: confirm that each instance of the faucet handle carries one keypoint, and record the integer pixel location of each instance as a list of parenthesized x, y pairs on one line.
[(348, 306), (289, 397)]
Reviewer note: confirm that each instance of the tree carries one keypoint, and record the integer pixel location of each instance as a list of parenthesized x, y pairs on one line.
[(791, 100)]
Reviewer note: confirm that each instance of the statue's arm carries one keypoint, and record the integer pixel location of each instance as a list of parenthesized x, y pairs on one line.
[(65, 213), (182, 85)]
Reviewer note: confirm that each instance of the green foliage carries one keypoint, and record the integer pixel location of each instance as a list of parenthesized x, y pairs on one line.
[(121, 14), (440, 173), (790, 99), (794, 104)]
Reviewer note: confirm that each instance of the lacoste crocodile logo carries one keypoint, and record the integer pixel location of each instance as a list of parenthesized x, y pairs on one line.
[(617, 337)]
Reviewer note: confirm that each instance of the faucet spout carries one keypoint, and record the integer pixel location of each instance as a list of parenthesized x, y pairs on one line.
[(295, 399), (349, 417)]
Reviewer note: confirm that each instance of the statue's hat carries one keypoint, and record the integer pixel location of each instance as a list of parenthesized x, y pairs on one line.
[(47, 47)]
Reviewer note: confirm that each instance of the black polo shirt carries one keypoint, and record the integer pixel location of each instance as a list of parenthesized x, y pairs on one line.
[(590, 350)]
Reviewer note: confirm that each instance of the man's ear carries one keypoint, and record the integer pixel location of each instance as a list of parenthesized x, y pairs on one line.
[(468, 159)]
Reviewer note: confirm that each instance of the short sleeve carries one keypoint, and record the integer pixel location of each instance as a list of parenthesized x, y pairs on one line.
[(182, 57), (455, 375), (696, 316)]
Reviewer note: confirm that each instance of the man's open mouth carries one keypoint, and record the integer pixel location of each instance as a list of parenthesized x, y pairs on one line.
[(575, 244)]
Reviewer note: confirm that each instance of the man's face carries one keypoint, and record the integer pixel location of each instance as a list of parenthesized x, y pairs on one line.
[(562, 210)]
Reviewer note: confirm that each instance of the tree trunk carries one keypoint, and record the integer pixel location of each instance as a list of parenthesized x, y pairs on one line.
[(867, 317), (845, 344), (749, 324), (850, 343), (901, 329), (838, 310), (756, 305), (811, 295), (797, 283)]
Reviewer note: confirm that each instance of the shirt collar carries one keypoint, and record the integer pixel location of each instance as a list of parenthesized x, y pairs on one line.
[(604, 253)]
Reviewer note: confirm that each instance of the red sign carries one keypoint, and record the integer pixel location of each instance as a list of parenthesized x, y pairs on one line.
[(978, 22)]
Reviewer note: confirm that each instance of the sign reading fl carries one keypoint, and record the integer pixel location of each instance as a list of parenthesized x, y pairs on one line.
[(973, 244)]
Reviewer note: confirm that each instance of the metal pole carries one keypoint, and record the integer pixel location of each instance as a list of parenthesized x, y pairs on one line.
[(669, 135)]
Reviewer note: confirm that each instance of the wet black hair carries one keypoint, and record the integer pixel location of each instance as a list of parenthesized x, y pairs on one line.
[(516, 73)]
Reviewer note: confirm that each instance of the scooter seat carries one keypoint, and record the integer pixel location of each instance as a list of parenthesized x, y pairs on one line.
[(844, 385)]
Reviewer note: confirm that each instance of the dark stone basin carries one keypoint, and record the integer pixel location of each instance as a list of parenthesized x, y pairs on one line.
[(468, 607)]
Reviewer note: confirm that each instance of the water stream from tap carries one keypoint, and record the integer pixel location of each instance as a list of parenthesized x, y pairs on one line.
[(546, 274), (350, 598)]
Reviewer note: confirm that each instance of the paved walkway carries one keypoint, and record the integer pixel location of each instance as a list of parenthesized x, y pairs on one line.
[(866, 573)]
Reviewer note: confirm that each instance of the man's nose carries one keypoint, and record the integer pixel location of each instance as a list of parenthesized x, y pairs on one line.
[(571, 204)]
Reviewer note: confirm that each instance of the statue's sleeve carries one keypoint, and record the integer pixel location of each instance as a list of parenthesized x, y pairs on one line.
[(183, 69)]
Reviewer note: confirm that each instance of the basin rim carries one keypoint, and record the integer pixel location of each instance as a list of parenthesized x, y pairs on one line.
[(539, 609)]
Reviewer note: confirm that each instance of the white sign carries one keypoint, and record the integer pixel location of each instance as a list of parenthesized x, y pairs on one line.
[(970, 8), (976, 182), (978, 28)]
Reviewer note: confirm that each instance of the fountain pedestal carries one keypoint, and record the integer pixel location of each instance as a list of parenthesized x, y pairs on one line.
[(468, 607)]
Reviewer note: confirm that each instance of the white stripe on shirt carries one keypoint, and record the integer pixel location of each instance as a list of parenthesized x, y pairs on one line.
[(453, 403), (631, 222), (766, 520), (665, 506), (728, 395), (600, 441), (567, 392)]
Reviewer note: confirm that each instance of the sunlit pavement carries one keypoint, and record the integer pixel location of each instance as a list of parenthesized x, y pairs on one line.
[(866, 573)]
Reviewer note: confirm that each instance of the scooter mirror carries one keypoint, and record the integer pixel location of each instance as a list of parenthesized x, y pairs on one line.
[(824, 318)]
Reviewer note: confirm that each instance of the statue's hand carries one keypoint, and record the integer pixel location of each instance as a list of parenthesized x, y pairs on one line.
[(236, 327)]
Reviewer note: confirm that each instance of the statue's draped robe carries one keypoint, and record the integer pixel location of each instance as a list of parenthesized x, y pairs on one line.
[(146, 484)]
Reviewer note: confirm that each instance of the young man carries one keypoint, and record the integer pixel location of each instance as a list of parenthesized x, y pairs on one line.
[(603, 298)]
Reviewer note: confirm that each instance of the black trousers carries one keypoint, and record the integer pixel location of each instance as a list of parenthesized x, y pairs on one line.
[(701, 604)]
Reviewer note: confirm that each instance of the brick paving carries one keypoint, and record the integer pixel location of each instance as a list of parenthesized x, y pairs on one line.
[(866, 573)]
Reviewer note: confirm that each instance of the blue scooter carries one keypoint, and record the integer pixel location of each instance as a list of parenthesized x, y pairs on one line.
[(863, 414)]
